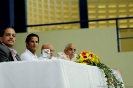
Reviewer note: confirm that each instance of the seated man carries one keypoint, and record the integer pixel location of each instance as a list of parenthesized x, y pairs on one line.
[(68, 54), (47, 52), (7, 41), (31, 41)]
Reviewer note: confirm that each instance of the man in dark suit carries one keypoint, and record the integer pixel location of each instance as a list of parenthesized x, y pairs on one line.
[(7, 40)]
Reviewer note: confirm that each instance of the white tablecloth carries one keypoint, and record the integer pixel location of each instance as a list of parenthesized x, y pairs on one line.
[(50, 74)]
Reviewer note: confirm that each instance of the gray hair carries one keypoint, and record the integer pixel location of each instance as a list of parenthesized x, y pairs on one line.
[(67, 46)]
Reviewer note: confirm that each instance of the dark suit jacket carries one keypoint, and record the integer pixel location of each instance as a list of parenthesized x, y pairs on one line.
[(5, 54)]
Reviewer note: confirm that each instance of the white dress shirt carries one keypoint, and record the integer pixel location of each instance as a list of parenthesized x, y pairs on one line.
[(62, 55), (28, 56), (44, 58)]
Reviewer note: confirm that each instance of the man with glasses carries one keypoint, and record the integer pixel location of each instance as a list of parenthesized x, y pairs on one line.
[(69, 52)]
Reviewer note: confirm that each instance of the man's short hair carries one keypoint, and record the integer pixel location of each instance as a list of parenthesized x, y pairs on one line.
[(31, 35), (3, 31), (67, 46)]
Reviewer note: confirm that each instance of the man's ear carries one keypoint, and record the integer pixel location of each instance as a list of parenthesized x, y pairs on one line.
[(15, 39), (64, 50), (26, 43), (1, 39)]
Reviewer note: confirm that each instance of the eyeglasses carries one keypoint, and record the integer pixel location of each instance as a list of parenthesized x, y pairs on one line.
[(51, 50), (71, 49)]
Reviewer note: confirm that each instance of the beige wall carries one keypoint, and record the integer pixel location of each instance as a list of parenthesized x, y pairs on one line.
[(126, 44), (96, 40), (101, 41)]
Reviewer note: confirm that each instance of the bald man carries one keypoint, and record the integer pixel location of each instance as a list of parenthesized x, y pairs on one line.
[(69, 52), (47, 55)]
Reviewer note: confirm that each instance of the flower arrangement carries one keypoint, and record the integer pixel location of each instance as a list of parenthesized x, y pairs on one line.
[(89, 58)]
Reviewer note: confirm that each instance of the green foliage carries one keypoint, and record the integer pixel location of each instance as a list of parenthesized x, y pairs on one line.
[(111, 78)]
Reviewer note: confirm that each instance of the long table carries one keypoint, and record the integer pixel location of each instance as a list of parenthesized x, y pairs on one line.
[(50, 74)]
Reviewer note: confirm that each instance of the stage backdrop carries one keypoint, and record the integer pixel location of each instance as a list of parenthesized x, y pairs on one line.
[(101, 41)]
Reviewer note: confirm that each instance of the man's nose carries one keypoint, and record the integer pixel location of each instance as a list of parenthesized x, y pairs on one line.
[(11, 36), (34, 44), (73, 51)]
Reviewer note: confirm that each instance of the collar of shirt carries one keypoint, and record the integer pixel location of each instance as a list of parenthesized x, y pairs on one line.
[(13, 51), (31, 54), (43, 56), (67, 57)]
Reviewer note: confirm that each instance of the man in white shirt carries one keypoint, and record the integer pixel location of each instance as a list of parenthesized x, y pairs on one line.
[(47, 54), (69, 52), (32, 42)]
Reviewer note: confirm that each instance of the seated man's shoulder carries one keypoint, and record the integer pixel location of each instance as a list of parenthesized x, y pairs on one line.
[(1, 44), (25, 56), (60, 53), (4, 48), (54, 58), (41, 57)]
